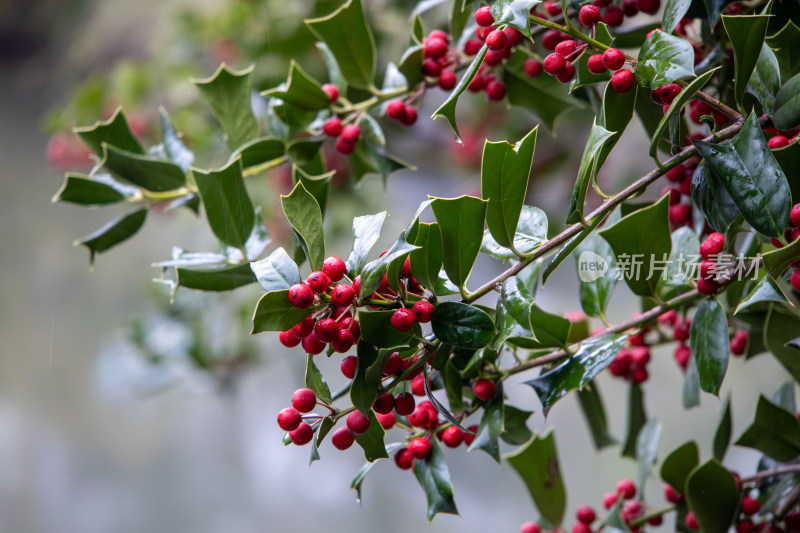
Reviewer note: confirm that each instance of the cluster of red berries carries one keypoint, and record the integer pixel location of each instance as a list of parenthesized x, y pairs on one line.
[(292, 419), (680, 194), (631, 364), (439, 60), (346, 135), (709, 272), (792, 233), (781, 138)]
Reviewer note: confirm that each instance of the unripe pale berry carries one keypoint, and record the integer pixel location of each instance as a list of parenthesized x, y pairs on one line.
[(342, 438), (289, 418), (484, 389), (350, 133), (484, 16), (332, 127), (613, 58), (589, 15), (595, 64), (532, 67), (357, 423), (404, 404), (497, 40), (623, 81), (304, 400), (402, 319), (302, 435), (420, 447), (452, 437), (301, 295), (312, 345), (554, 63), (332, 91), (626, 488), (288, 339)]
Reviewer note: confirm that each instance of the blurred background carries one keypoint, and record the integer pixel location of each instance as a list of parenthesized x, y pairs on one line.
[(108, 421)]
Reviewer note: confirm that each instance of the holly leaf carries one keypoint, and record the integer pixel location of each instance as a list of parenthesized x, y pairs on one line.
[(647, 450), (515, 430), (722, 437), (366, 232), (434, 477), (305, 216), (491, 426), (713, 497), (783, 43), (261, 152), (448, 108), (116, 231), (98, 190), (774, 431), (114, 132), (300, 90), (674, 11), (515, 13), (373, 272), (227, 91), (277, 271), (713, 200), (598, 137), (462, 325), (595, 286), (274, 313), (710, 344), (595, 414), (173, 146), (765, 82), (787, 105), (746, 33), (426, 260), (372, 441), (637, 417), (663, 59), (315, 381), (215, 279), (228, 207), (461, 222), (147, 172), (679, 464), (376, 327)]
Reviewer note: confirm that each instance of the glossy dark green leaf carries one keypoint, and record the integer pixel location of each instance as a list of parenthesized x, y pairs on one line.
[(780, 329), (358, 479), (372, 441), (774, 431), (722, 437), (410, 65), (440, 408), (647, 451), (373, 272), (765, 290), (315, 381), (591, 358), (663, 59), (300, 91), (505, 170), (116, 231), (148, 172), (685, 247), (679, 464), (595, 414), (783, 43), (215, 279), (318, 186), (350, 40), (306, 154), (448, 108), (637, 417), (615, 114), (260, 152), (765, 82), (174, 149), (746, 33), (543, 95), (304, 214), (324, 428), (777, 261), (366, 232), (454, 387), (334, 72), (275, 313), (426, 261), (227, 91), (751, 175), (460, 17), (277, 271), (462, 325), (713, 200), (461, 222), (512, 313), (537, 464), (367, 381), (228, 207), (434, 477), (515, 13), (683, 98), (598, 136), (84, 190), (714, 9), (376, 328), (597, 274), (644, 235), (115, 132), (531, 232), (713, 497), (515, 430), (549, 329), (691, 385), (787, 105), (710, 344), (491, 426), (674, 11)]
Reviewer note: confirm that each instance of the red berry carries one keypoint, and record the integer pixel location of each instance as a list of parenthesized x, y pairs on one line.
[(418, 386), (288, 339), (585, 514), (779, 141), (332, 91), (313, 345), (358, 423), (676, 174), (393, 365), (626, 488), (681, 330), (667, 93), (613, 58), (452, 437), (794, 215), (581, 528), (795, 280), (530, 527), (404, 459), (595, 64), (343, 295), (420, 417), (533, 67), (712, 245), (739, 342), (435, 47), (610, 500), (639, 375), (326, 330), (342, 439), (484, 16), (691, 521), (302, 435), (567, 74), (289, 418), (404, 404), (566, 47), (495, 90), (477, 84), (679, 214), (383, 404), (682, 355), (554, 63), (420, 448), (423, 311), (348, 366), (301, 295), (332, 127), (439, 34), (649, 7), (640, 356), (497, 40), (589, 15), (614, 16), (396, 109), (750, 506), (350, 133), (409, 117), (550, 39), (671, 495), (386, 421), (630, 8), (484, 389), (623, 81), (472, 46), (303, 328), (514, 35), (482, 32), (402, 319), (632, 510), (552, 8), (304, 400), (344, 147), (470, 436), (745, 526), (432, 67), (602, 3), (447, 80), (343, 342), (357, 284)]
